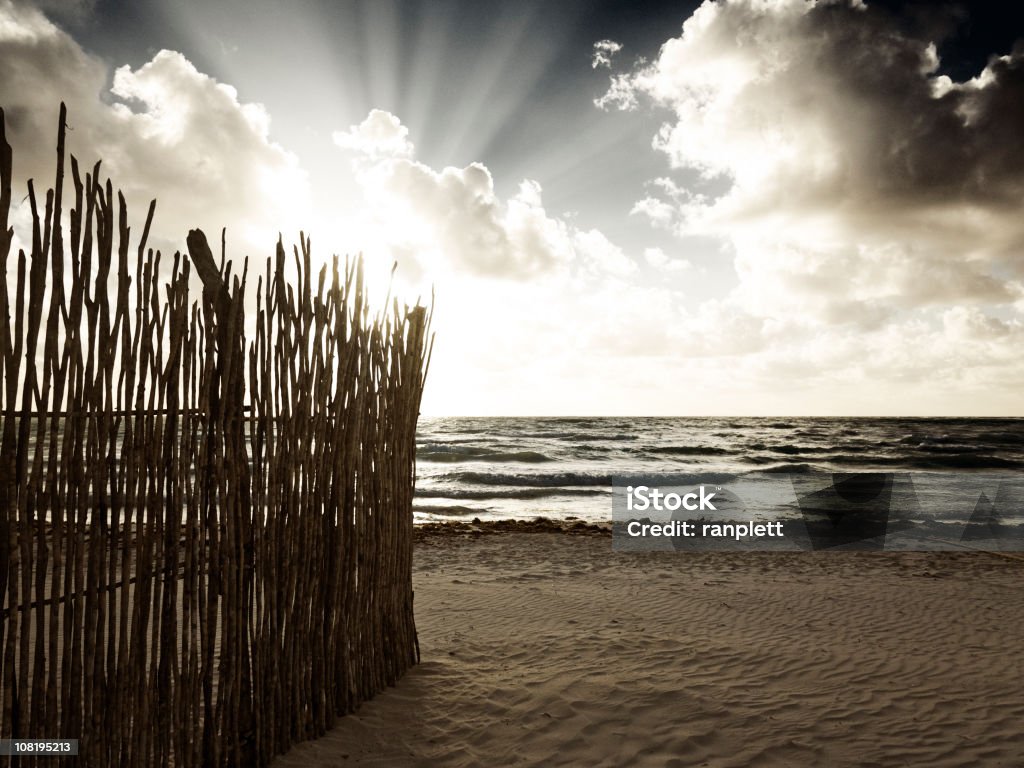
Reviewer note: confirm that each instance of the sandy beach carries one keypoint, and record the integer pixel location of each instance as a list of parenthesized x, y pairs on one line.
[(550, 649)]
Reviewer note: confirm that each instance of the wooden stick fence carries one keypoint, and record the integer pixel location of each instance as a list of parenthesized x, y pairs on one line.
[(205, 540)]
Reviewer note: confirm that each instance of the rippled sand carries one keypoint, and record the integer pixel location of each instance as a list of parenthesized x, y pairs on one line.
[(550, 649)]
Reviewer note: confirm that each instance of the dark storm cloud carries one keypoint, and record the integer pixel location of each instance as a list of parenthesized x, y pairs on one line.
[(919, 136)]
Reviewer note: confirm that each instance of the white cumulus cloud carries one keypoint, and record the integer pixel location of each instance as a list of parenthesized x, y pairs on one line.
[(852, 169), (163, 130), (871, 206), (381, 134), (604, 50), (454, 218)]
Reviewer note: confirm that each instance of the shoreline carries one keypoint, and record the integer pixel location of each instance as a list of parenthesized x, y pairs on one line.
[(425, 533), (571, 526)]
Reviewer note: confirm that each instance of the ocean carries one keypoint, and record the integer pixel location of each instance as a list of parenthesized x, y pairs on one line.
[(494, 468)]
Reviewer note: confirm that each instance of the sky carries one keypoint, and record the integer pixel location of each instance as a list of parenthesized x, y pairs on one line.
[(754, 207)]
